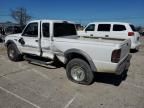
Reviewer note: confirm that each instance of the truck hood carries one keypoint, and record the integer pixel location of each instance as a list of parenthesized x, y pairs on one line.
[(14, 35)]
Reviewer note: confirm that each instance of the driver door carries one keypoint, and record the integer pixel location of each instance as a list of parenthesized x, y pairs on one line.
[(30, 39)]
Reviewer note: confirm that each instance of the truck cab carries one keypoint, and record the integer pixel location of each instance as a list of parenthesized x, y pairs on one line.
[(37, 37)]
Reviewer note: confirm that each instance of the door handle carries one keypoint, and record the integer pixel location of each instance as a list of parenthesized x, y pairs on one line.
[(106, 35), (36, 40), (91, 34)]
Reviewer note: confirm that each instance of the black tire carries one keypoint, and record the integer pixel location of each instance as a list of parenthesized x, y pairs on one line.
[(13, 53), (82, 69), (1, 40)]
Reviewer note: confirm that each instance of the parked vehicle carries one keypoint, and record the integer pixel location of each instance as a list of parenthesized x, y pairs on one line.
[(2, 34), (113, 30), (45, 41), (13, 30)]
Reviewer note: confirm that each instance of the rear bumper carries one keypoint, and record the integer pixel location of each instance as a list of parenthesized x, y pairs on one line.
[(123, 65), (135, 46)]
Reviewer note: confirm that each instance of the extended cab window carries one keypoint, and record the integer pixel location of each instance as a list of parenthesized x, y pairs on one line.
[(91, 27), (104, 27), (64, 29), (31, 30), (45, 29), (117, 27)]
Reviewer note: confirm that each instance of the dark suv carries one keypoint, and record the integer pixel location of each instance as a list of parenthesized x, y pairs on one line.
[(13, 30), (2, 34)]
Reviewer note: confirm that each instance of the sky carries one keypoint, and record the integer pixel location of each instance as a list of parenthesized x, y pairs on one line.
[(80, 11)]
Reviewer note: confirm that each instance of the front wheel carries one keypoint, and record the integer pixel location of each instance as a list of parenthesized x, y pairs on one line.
[(79, 71), (13, 53)]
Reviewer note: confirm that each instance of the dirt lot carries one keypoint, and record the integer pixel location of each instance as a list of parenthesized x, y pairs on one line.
[(25, 85)]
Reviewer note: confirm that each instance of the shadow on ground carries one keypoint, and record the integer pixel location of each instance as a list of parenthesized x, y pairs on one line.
[(110, 78), (133, 51)]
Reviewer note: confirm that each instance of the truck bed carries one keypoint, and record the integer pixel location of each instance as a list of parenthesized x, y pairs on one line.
[(102, 39), (122, 43)]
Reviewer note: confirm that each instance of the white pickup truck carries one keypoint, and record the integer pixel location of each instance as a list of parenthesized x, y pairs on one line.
[(45, 41)]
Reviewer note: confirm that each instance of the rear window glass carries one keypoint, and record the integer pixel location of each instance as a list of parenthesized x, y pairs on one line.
[(117, 27), (104, 27), (64, 29), (133, 28)]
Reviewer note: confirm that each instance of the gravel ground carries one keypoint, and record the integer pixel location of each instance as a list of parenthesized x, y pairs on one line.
[(25, 85)]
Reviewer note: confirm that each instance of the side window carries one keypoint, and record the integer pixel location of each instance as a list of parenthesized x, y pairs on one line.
[(117, 27), (31, 30), (45, 29), (104, 27), (64, 29), (91, 27)]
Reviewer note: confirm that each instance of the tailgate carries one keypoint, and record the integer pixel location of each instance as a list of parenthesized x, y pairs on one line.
[(125, 49)]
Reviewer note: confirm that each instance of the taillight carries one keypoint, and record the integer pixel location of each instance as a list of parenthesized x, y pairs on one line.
[(115, 58), (130, 33)]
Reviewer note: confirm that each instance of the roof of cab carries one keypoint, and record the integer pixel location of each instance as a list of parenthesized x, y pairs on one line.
[(52, 21)]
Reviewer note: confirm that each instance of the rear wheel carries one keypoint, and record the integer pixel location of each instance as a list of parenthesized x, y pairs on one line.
[(79, 71), (13, 53)]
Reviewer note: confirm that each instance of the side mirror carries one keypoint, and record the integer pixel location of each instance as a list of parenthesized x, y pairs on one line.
[(21, 40)]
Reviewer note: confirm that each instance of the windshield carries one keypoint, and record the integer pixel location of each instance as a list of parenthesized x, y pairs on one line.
[(64, 29), (133, 28)]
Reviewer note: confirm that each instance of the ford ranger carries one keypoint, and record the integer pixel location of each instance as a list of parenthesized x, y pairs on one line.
[(45, 41)]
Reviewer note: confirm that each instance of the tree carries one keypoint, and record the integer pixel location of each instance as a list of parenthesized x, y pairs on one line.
[(21, 16)]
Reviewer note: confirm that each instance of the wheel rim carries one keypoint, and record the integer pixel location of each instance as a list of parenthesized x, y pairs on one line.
[(11, 53), (78, 73)]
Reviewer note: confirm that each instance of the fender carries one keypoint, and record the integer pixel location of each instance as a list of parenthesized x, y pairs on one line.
[(12, 42), (84, 54)]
